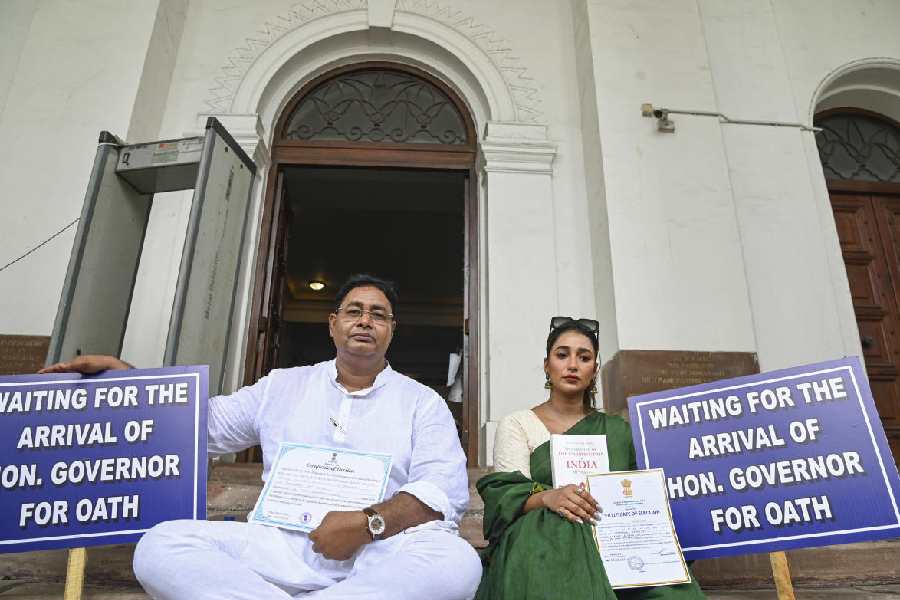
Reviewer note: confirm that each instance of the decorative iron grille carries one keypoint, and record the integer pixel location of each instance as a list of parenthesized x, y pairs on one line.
[(860, 147), (377, 105)]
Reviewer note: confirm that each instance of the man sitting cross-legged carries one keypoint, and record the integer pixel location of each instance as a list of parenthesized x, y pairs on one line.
[(406, 547)]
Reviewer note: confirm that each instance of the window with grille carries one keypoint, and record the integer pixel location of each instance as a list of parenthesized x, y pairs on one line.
[(859, 147), (378, 105)]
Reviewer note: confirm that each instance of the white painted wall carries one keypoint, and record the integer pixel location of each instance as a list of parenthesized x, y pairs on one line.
[(819, 37), (594, 182), (797, 305), (156, 73), (200, 64), (552, 71), (717, 237), (154, 290), (77, 72), (676, 249), (721, 235), (15, 23)]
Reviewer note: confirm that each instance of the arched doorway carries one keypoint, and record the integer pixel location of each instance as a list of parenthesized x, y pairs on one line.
[(860, 155), (373, 170)]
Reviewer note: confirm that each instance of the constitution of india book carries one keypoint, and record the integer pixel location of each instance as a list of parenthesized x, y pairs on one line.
[(574, 457)]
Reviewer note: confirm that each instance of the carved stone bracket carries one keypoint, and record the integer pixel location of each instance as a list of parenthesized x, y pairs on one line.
[(381, 13), (517, 148)]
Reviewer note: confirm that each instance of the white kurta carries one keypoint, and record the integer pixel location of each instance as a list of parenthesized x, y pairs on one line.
[(396, 415)]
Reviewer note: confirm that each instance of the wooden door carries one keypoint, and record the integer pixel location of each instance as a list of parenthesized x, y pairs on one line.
[(471, 417), (267, 326), (373, 114), (269, 323), (868, 227)]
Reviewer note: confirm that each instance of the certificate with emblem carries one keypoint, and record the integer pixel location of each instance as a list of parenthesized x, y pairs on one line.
[(635, 533), (307, 482)]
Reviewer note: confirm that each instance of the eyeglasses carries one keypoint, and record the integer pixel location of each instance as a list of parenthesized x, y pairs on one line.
[(590, 324), (354, 313)]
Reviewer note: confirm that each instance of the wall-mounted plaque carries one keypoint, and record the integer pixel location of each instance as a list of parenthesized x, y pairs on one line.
[(22, 354), (632, 372)]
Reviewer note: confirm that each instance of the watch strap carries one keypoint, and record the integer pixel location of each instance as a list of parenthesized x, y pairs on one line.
[(371, 513)]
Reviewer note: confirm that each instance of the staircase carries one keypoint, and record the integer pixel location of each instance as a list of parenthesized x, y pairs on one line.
[(233, 489)]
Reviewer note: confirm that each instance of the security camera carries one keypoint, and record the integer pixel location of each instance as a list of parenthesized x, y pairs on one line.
[(661, 115)]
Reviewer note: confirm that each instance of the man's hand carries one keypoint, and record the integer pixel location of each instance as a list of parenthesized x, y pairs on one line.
[(340, 534), (87, 364)]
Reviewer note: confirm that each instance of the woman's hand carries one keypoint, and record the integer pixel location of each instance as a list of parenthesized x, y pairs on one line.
[(571, 502), (87, 364)]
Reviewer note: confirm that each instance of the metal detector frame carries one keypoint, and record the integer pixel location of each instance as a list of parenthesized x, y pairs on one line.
[(97, 292)]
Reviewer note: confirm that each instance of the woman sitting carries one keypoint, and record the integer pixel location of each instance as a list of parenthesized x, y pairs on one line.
[(540, 539)]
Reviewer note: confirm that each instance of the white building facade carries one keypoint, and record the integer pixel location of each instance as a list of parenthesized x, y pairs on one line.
[(717, 237)]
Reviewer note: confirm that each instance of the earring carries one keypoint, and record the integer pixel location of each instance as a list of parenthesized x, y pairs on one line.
[(592, 394), (547, 384)]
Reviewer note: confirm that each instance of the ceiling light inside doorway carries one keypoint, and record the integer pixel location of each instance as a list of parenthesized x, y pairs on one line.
[(316, 285)]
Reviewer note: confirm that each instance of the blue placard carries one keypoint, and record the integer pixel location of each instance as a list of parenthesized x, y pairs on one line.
[(100, 459), (785, 459)]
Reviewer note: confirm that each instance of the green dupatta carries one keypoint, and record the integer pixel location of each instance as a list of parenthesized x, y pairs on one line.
[(542, 556)]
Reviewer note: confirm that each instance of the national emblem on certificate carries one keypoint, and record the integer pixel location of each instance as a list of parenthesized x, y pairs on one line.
[(308, 482), (635, 532)]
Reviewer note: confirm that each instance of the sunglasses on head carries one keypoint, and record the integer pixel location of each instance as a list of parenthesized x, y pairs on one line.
[(590, 324)]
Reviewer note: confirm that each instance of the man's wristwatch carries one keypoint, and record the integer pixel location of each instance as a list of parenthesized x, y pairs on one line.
[(376, 524)]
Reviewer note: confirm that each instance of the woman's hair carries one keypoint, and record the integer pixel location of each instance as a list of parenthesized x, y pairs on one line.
[(588, 399)]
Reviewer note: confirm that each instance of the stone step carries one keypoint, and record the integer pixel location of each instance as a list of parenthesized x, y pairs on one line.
[(233, 489), (866, 562), (470, 527), (231, 492), (106, 564), (24, 590)]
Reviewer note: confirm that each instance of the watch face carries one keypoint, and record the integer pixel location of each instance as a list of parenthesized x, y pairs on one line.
[(376, 524)]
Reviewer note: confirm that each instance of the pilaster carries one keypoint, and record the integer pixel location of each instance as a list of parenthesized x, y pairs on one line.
[(517, 163)]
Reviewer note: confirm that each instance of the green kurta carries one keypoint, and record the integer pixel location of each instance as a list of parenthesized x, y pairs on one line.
[(542, 556)]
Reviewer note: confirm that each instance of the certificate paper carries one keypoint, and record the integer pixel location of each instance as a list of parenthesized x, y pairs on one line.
[(635, 534), (307, 482)]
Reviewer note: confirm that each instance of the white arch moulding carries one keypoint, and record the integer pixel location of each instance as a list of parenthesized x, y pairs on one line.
[(353, 47), (832, 84), (248, 97), (516, 172)]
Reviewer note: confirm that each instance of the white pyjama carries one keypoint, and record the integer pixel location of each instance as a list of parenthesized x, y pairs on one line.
[(194, 560)]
